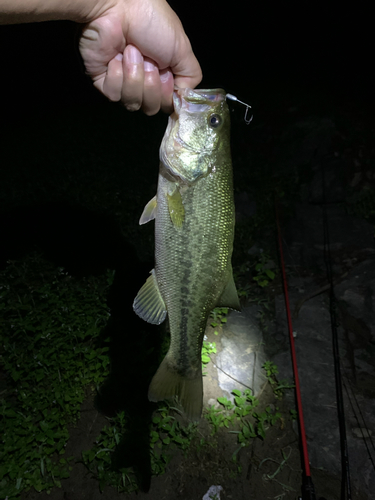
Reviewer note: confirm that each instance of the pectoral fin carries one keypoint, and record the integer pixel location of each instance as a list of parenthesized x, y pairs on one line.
[(149, 304), (176, 207), (229, 297), (149, 211)]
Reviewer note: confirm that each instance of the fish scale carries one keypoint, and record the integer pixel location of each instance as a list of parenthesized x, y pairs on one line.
[(194, 230), (188, 258)]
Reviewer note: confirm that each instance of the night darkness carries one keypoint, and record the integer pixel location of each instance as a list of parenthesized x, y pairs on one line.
[(76, 170), (250, 50)]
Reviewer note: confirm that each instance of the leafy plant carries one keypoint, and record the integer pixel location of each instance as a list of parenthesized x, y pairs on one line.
[(166, 434), (271, 371), (264, 418), (258, 427), (98, 458), (170, 430), (264, 273), (293, 414), (218, 418), (49, 323), (219, 316), (207, 349), (253, 278), (278, 387), (252, 424), (244, 406)]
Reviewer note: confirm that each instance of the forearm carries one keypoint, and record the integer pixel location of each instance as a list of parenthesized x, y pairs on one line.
[(27, 11)]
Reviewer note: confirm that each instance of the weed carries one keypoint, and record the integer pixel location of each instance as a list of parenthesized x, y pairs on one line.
[(219, 316), (48, 326), (207, 349), (98, 459), (170, 430), (293, 414), (263, 270), (219, 417), (253, 279), (278, 387), (242, 411), (271, 371), (264, 418), (281, 465), (166, 434)]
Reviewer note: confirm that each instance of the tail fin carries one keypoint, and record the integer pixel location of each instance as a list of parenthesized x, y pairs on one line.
[(167, 383)]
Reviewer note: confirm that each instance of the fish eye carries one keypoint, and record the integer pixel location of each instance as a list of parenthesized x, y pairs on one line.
[(214, 120)]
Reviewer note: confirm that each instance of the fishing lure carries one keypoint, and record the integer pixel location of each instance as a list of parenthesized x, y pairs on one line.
[(248, 107)]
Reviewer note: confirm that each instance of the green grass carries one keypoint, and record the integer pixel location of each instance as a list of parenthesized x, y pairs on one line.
[(49, 324), (242, 414), (53, 358), (166, 434)]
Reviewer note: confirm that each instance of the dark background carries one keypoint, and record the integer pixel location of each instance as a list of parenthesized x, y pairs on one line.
[(289, 61), (75, 168), (255, 50)]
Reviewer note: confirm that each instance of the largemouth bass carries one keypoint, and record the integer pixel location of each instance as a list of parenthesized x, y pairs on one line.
[(194, 229)]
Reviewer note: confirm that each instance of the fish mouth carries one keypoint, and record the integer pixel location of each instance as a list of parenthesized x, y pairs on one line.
[(197, 100)]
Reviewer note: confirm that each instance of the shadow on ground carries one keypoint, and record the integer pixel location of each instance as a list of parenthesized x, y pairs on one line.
[(86, 243)]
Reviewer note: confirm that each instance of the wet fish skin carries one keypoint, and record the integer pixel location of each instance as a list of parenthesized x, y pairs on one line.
[(194, 230)]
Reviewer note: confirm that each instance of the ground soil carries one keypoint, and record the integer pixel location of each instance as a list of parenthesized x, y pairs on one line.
[(266, 469)]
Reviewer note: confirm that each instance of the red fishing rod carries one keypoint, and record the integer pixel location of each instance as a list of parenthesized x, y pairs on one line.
[(308, 490)]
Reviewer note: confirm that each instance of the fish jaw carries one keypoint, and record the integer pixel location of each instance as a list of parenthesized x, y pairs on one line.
[(191, 138)]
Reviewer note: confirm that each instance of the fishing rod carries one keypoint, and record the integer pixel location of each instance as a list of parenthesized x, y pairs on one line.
[(307, 488), (345, 469)]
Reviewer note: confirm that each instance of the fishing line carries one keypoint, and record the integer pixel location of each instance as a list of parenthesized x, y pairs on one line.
[(345, 469), (365, 438), (308, 490)]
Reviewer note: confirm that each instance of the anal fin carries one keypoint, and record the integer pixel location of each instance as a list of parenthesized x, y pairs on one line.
[(229, 297)]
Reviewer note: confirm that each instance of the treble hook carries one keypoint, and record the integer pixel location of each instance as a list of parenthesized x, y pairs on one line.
[(248, 107)]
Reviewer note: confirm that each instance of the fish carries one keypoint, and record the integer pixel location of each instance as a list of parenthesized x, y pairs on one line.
[(194, 230)]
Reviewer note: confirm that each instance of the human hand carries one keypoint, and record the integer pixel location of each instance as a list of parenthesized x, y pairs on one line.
[(136, 51)]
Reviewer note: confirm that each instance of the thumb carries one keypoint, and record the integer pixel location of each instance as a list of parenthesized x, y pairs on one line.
[(187, 72)]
